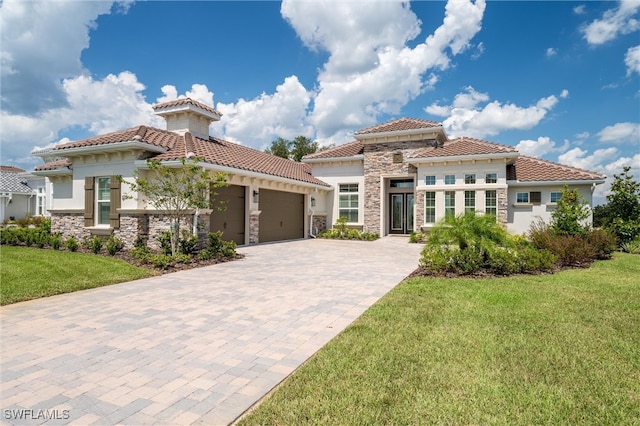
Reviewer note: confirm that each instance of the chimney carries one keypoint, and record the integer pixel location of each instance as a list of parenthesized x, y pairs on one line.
[(186, 115)]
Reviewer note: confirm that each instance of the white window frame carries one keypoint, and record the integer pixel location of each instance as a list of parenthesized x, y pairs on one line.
[(430, 207), (451, 208), (446, 178), (430, 180), (493, 207), (349, 193), (41, 201), (522, 200), (469, 178), (101, 201), (558, 194), (493, 175), (469, 201)]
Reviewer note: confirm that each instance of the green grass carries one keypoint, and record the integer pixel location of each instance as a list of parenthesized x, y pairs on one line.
[(29, 273), (560, 349)]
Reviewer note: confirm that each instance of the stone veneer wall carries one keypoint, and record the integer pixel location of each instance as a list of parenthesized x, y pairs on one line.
[(254, 227), (69, 225), (319, 224), (379, 160), (503, 205)]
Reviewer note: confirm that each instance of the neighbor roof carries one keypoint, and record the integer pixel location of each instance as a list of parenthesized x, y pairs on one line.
[(464, 146), (12, 182), (399, 125), (13, 169), (213, 151), (529, 169)]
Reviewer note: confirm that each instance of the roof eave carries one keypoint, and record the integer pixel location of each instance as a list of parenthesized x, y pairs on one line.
[(56, 172), (142, 164), (554, 182), (333, 159), (447, 158), (114, 146), (394, 133)]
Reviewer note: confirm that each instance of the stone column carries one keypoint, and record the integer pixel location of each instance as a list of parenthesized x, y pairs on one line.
[(254, 227)]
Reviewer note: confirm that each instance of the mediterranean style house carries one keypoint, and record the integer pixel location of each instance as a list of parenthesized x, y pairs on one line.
[(395, 178)]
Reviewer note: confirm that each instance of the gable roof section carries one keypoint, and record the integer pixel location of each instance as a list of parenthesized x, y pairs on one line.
[(13, 182), (214, 151), (401, 124), (530, 169), (464, 146), (341, 151)]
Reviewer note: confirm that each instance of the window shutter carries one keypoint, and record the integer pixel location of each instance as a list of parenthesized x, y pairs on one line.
[(535, 197), (88, 201), (114, 203)]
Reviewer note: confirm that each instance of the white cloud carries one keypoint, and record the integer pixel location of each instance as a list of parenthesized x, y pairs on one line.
[(41, 44), (621, 133), (371, 70), (541, 147), (198, 92), (614, 22), (467, 116), (551, 52), (258, 121), (632, 60), (577, 157)]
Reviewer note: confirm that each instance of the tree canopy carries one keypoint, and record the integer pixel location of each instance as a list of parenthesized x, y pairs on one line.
[(293, 150)]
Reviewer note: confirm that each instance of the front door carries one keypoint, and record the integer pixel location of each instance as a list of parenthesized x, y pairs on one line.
[(401, 213)]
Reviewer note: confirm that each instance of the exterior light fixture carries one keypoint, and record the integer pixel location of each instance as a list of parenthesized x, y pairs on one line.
[(256, 195), (313, 202)]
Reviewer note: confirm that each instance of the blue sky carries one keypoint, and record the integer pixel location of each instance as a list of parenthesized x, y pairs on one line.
[(557, 79)]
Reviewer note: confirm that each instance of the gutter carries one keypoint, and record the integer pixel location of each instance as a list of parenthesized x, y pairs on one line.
[(592, 182)]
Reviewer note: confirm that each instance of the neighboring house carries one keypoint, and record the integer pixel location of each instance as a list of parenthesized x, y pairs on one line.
[(397, 177), (406, 175), (21, 194)]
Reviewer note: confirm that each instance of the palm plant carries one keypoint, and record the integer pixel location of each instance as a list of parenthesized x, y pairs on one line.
[(470, 230)]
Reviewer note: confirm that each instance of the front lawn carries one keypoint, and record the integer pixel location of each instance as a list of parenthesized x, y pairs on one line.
[(29, 273), (544, 349)]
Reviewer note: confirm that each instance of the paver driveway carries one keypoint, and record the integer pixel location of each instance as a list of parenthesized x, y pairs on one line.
[(193, 347)]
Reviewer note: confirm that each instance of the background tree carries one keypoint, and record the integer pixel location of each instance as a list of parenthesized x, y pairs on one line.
[(570, 215), (293, 150), (280, 147), (175, 191), (302, 146), (621, 215)]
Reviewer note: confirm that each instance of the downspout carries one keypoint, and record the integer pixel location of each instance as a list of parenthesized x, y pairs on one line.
[(311, 234), (195, 221)]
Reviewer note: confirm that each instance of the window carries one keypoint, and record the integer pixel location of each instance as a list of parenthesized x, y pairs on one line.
[(449, 203), (103, 200), (469, 201), (522, 198), (401, 183), (491, 178), (555, 197), (429, 207), (449, 179), (41, 202), (348, 202), (491, 202), (429, 180), (470, 178)]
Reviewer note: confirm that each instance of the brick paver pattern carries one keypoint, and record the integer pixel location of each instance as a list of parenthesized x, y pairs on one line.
[(193, 347)]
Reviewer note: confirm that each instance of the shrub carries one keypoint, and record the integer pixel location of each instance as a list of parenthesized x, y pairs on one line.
[(188, 242), (182, 258), (45, 225), (218, 247), (532, 259), (141, 253), (164, 238), (468, 261), (95, 244), (55, 241), (114, 245), (418, 237), (162, 261), (436, 260), (71, 244), (502, 261), (632, 247), (10, 236), (603, 243), (140, 241), (41, 238)]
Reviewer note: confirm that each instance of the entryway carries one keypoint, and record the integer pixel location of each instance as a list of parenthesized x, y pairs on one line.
[(401, 201)]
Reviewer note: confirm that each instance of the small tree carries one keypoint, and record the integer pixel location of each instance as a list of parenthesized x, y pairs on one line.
[(568, 218), (302, 146), (175, 190), (622, 212)]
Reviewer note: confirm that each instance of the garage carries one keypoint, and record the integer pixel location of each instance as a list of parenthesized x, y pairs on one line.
[(282, 216), (231, 221)]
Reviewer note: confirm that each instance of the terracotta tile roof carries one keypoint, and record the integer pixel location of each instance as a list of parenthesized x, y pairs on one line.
[(229, 154), (53, 165), (186, 101), (346, 150), (214, 151), (13, 169), (529, 169), (464, 146), (13, 182), (399, 125)]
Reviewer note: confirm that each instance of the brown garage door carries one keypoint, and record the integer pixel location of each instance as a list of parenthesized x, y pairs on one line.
[(282, 216), (231, 220)]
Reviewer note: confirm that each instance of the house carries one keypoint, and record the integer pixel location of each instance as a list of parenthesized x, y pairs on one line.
[(22, 194), (406, 175), (396, 177)]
